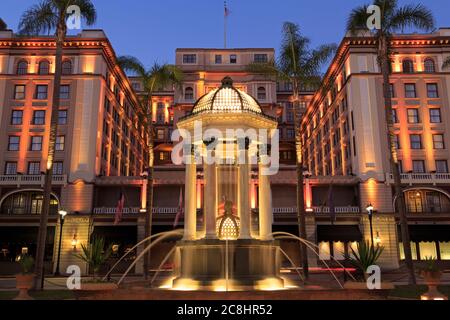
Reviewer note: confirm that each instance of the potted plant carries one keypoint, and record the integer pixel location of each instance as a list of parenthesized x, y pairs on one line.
[(95, 255), (431, 272), (24, 280), (365, 255)]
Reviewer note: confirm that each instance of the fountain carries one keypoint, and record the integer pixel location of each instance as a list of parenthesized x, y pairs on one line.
[(227, 252)]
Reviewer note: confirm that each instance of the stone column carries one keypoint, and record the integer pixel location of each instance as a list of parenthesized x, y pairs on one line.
[(190, 201), (265, 203), (210, 203), (244, 195)]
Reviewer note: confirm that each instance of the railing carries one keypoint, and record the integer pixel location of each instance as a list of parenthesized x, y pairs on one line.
[(133, 210), (20, 180), (337, 210), (428, 178), (319, 210)]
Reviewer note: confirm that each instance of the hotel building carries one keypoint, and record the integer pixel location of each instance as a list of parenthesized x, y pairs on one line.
[(101, 149)]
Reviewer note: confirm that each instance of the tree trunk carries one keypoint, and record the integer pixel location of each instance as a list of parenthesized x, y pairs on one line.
[(301, 213), (149, 200), (42, 234), (384, 61)]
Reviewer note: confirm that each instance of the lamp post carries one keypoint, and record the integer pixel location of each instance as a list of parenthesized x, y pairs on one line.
[(369, 209), (62, 214)]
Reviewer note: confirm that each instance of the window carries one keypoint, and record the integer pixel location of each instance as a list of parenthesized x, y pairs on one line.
[(233, 58), (136, 86), (22, 67), (34, 168), (410, 90), (441, 166), (16, 117), (10, 168), (290, 116), (189, 58), (260, 58), (435, 115), (400, 166), (290, 133), (62, 117), (36, 143), (429, 66), (13, 143), (38, 117), (44, 67), (397, 142), (416, 141), (67, 67), (19, 92), (408, 66), (160, 134), (432, 90), (58, 167), (59, 146), (413, 116), (41, 92), (392, 90), (189, 93), (218, 59), (438, 141), (261, 93), (394, 116), (418, 166), (64, 92)]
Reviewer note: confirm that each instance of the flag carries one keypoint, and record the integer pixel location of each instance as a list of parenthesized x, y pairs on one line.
[(180, 209), (226, 11), (331, 204), (119, 208)]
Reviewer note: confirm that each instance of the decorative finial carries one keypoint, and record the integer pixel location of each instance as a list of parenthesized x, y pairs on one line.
[(227, 82)]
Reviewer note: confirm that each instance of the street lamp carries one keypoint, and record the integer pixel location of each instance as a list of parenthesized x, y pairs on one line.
[(369, 209), (62, 214)]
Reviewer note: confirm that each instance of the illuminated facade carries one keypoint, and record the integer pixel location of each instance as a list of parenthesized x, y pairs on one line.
[(102, 151), (345, 138)]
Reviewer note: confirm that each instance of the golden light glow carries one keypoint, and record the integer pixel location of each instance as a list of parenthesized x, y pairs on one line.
[(269, 284), (186, 285), (88, 64)]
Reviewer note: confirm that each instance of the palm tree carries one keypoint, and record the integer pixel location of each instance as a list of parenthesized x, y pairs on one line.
[(48, 16), (394, 19), (301, 66), (158, 77), (446, 63), (3, 25)]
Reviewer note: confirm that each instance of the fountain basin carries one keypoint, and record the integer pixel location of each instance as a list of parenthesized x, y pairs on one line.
[(212, 264)]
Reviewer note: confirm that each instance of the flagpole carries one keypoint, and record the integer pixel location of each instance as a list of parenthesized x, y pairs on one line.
[(225, 25)]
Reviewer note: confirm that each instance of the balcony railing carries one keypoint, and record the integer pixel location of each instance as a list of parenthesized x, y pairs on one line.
[(427, 178), (133, 210), (20, 180), (318, 210)]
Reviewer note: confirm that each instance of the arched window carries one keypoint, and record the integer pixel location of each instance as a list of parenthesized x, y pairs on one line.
[(160, 113), (188, 93), (261, 93), (27, 202), (22, 67), (426, 200), (429, 66), (67, 67), (44, 67), (408, 66)]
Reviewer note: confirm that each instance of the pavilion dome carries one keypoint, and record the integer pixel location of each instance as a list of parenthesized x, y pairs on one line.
[(226, 99)]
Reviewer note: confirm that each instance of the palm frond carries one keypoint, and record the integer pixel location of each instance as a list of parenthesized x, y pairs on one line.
[(318, 57), (131, 64), (365, 255), (357, 20), (269, 69), (87, 10), (446, 63), (38, 18), (3, 25), (414, 16)]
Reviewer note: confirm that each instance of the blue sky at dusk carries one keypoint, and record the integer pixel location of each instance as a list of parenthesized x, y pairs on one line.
[(152, 30)]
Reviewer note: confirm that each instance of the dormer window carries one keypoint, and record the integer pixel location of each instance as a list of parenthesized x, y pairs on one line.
[(429, 66), (188, 93), (67, 67), (261, 93), (44, 67), (189, 58), (22, 67)]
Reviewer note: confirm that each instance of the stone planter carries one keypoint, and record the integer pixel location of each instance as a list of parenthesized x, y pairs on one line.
[(92, 289), (24, 282), (432, 280)]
